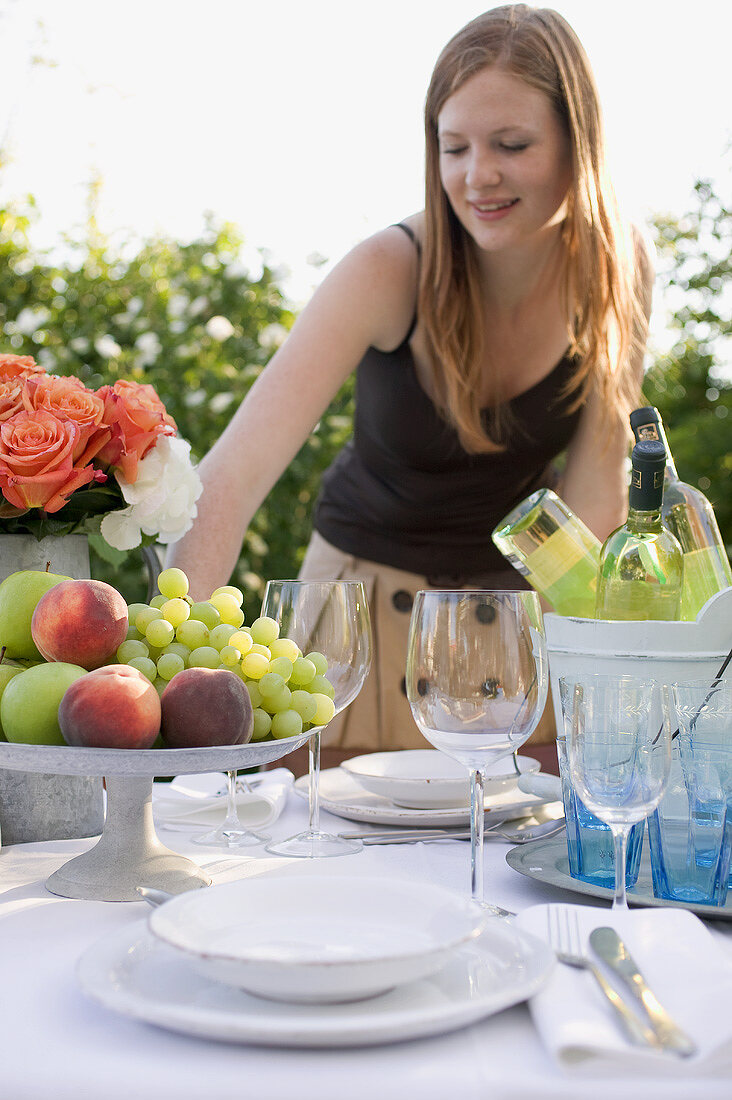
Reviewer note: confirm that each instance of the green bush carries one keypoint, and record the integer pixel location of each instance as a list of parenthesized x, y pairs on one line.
[(188, 318), (147, 312)]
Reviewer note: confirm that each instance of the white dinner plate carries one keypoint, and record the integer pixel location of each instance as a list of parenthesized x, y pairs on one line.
[(341, 795), (133, 973), (425, 779)]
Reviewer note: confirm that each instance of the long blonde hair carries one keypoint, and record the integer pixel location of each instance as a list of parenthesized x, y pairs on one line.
[(605, 319)]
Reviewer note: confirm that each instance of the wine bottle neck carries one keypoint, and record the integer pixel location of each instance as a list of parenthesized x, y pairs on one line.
[(654, 429), (641, 521)]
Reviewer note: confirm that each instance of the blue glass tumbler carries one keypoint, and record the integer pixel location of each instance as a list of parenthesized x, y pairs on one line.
[(690, 832), (590, 846)]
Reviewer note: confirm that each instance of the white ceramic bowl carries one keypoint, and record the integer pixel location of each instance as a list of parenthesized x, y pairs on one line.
[(317, 939), (425, 779)]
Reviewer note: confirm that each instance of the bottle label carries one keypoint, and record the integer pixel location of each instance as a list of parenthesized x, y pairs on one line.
[(551, 561), (706, 571)]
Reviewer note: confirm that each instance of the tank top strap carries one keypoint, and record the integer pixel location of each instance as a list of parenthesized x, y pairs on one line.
[(410, 233)]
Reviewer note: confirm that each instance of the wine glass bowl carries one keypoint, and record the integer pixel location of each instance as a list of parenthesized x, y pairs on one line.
[(330, 618), (618, 755), (476, 682)]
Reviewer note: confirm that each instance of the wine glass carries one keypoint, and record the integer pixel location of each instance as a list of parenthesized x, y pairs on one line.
[(232, 833), (477, 684), (332, 618), (618, 756)]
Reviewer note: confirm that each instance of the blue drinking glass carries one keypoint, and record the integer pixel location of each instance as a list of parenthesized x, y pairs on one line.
[(690, 832), (590, 847)]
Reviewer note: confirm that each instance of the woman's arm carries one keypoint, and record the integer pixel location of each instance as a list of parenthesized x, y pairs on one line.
[(595, 479), (368, 299)]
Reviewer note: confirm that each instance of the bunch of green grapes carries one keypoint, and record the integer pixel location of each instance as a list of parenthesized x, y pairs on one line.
[(289, 690)]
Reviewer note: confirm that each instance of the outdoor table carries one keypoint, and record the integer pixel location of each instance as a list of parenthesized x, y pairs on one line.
[(58, 1044)]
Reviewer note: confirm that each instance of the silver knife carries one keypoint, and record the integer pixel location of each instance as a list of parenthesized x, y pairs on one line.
[(607, 944)]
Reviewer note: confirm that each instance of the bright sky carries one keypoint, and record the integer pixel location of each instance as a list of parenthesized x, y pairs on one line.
[(302, 122)]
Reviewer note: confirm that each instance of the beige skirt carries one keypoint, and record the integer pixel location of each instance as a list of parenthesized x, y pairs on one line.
[(380, 717)]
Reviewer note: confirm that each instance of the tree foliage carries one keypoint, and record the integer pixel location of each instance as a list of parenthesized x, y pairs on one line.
[(190, 318), (199, 320), (692, 384)]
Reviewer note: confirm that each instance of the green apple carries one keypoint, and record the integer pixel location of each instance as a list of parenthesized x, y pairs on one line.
[(8, 669), (30, 702), (19, 594)]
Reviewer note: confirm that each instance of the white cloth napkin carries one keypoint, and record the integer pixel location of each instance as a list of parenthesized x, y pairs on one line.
[(200, 800), (687, 966)]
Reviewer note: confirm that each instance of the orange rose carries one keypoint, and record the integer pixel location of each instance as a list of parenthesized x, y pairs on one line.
[(18, 366), (137, 417), (70, 399), (37, 468), (11, 397)]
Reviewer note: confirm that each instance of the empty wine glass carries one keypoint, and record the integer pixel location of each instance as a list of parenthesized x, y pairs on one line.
[(477, 684), (232, 833), (618, 754), (332, 618)]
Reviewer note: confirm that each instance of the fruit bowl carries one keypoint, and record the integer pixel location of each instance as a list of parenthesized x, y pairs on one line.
[(129, 854)]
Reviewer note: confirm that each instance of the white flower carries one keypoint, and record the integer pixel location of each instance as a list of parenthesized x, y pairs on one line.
[(219, 328), (198, 305), (149, 348), (272, 336), (194, 398), (162, 501), (177, 305), (28, 320), (79, 344), (220, 401), (107, 347), (251, 258)]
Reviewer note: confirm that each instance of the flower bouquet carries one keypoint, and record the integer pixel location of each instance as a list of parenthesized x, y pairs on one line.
[(78, 461)]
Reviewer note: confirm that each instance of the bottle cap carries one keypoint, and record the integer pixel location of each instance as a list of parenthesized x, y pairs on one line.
[(646, 484), (645, 423)]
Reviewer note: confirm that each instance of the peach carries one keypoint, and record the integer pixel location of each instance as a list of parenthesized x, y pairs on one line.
[(114, 707), (82, 623), (206, 706)]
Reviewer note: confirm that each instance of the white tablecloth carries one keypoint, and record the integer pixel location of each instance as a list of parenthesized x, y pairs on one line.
[(57, 1044)]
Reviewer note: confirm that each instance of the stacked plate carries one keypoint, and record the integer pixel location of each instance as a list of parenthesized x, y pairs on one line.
[(424, 779), (420, 787), (313, 960)]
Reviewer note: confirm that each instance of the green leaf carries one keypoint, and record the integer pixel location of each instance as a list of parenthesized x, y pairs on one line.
[(112, 556)]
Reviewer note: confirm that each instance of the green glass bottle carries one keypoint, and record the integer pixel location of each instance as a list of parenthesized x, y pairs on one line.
[(690, 517), (553, 549), (642, 563)]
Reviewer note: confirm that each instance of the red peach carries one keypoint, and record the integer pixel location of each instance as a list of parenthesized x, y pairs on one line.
[(116, 708), (82, 624), (206, 706)]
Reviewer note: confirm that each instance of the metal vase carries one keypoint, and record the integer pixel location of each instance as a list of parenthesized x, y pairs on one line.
[(37, 806)]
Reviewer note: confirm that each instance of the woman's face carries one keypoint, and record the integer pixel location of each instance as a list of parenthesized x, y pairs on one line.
[(505, 161)]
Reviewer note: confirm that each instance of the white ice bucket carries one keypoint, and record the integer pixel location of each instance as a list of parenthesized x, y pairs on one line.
[(663, 651)]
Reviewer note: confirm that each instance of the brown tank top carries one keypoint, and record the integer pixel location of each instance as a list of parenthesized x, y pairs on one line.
[(405, 493)]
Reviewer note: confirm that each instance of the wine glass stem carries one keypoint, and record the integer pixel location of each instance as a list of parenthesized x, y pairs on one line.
[(314, 776), (620, 841), (232, 816), (476, 835)]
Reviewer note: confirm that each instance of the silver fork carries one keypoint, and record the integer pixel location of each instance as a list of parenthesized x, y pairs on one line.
[(564, 937)]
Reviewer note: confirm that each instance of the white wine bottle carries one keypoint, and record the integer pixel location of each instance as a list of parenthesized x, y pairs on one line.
[(553, 549), (641, 564), (690, 517)]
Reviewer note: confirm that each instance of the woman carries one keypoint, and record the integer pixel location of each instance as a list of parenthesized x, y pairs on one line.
[(500, 327)]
